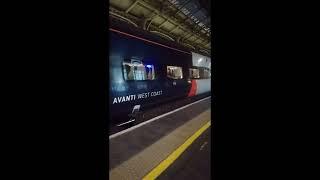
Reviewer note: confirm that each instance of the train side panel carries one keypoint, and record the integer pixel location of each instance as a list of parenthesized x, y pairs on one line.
[(202, 85), (126, 94)]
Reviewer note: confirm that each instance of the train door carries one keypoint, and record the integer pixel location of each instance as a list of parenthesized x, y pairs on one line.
[(176, 80)]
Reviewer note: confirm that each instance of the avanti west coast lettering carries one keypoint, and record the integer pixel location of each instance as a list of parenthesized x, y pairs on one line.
[(133, 97)]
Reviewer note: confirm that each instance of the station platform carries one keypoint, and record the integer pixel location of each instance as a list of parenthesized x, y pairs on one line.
[(175, 145)]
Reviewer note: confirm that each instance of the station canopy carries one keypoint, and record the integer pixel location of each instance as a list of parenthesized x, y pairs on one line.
[(186, 22)]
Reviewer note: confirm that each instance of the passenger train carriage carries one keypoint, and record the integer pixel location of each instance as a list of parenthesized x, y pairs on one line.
[(146, 71)]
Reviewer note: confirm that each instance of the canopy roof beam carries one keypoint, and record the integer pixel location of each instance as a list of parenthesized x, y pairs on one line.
[(132, 6)]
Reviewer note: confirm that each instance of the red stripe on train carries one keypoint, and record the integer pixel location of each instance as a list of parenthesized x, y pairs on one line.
[(193, 88)]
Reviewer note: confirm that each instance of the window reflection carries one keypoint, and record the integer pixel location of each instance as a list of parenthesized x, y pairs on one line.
[(136, 70), (174, 72)]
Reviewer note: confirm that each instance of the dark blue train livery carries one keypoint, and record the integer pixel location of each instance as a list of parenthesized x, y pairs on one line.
[(146, 71)]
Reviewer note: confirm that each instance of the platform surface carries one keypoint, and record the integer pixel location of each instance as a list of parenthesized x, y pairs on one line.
[(194, 163), (134, 154)]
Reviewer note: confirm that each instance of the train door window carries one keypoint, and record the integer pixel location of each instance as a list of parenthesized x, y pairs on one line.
[(194, 73), (136, 70), (205, 73), (174, 72)]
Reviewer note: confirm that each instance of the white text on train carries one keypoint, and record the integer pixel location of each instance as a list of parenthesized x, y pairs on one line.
[(124, 99), (133, 97)]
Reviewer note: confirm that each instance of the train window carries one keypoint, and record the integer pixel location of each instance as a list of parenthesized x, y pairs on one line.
[(194, 73), (205, 73), (136, 70), (174, 72)]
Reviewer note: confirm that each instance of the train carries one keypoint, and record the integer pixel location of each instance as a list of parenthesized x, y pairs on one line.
[(146, 70)]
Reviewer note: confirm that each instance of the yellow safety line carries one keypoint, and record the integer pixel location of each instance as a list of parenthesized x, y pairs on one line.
[(172, 157)]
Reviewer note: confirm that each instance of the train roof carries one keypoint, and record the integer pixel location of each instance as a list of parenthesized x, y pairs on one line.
[(126, 28)]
